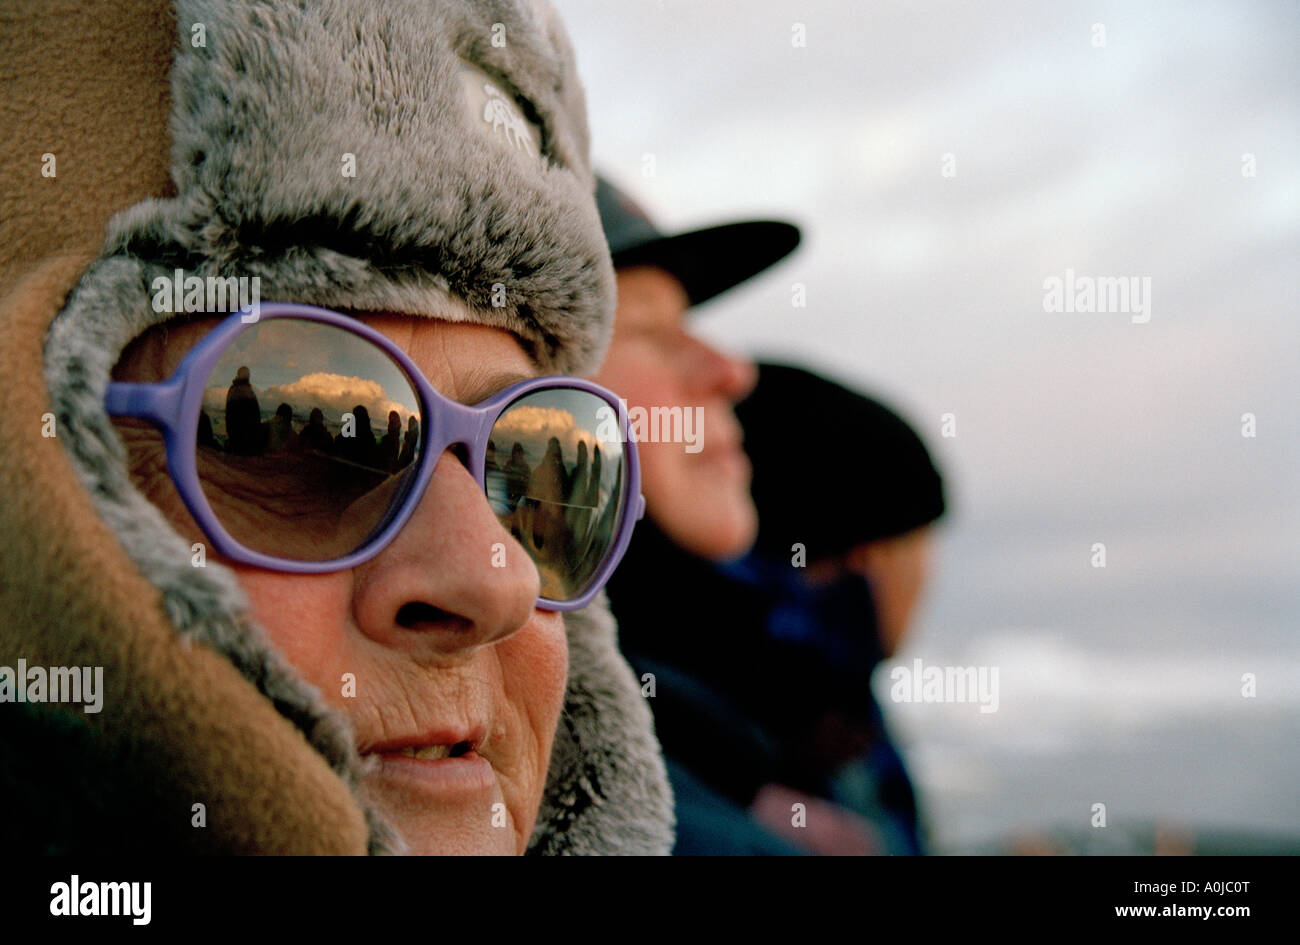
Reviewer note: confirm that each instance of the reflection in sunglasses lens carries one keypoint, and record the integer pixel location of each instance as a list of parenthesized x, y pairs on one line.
[(308, 439), (555, 479)]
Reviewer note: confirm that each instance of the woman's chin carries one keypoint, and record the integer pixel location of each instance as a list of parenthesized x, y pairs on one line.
[(447, 833), (437, 839), (449, 808)]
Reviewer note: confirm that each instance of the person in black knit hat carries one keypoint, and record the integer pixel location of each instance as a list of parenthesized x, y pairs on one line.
[(846, 478), (846, 493), (763, 693)]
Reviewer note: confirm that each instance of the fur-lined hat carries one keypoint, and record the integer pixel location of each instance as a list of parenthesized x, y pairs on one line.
[(419, 157)]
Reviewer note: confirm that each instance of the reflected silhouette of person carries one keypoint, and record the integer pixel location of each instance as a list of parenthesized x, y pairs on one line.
[(243, 416), (546, 488), (391, 445), (280, 435), (359, 447), (314, 436), (410, 443), (575, 486), (604, 518), (591, 498), (588, 520), (517, 474), (205, 431), (576, 513), (494, 483)]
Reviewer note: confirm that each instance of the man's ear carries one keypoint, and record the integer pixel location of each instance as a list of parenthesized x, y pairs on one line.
[(897, 569), (870, 558), (864, 559)]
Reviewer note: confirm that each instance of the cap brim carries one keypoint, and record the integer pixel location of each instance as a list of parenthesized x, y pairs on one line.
[(712, 260)]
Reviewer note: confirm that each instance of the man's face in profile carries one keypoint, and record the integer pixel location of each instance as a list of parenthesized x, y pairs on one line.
[(699, 499)]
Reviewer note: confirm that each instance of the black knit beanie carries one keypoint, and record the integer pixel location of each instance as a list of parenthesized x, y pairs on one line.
[(833, 469)]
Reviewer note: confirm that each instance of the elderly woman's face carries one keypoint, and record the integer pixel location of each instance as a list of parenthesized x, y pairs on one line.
[(447, 650)]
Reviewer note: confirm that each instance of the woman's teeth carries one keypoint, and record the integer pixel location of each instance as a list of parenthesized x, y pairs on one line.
[(427, 753)]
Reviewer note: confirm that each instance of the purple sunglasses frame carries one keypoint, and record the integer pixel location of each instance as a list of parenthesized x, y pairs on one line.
[(173, 405)]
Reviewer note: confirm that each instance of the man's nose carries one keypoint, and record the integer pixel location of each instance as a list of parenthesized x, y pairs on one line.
[(730, 376), (453, 579)]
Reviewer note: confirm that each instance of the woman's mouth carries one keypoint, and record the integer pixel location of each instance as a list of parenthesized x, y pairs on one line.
[(434, 752), (447, 766), (434, 771)]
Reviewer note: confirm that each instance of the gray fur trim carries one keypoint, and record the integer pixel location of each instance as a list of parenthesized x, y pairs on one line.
[(607, 791), (263, 114)]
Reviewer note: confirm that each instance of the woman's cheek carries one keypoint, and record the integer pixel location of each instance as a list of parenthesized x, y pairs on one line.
[(305, 617), (552, 659), (535, 667)]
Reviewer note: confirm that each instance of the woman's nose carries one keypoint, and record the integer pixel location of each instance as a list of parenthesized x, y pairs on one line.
[(452, 580)]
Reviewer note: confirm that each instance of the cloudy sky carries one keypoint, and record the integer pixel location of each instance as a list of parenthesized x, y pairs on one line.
[(1158, 141)]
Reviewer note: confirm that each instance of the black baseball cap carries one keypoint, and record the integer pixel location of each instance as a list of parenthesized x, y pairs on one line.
[(706, 262)]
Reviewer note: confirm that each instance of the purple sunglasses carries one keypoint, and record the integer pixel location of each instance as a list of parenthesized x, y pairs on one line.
[(574, 520)]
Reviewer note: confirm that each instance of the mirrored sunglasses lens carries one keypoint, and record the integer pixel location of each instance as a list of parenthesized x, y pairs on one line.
[(556, 478), (308, 439)]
